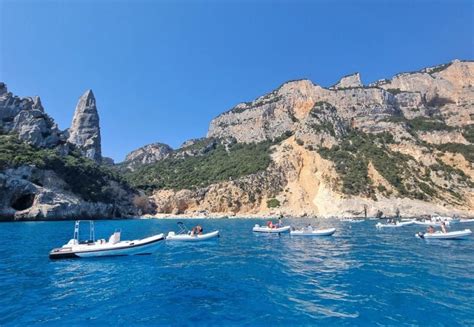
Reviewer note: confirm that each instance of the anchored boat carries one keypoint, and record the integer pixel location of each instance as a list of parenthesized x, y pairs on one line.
[(310, 232), (101, 248), (172, 236), (185, 235), (188, 236), (445, 236), (263, 229)]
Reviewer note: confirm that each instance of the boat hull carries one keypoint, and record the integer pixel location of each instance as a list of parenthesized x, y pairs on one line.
[(260, 229), (195, 238), (445, 236), (320, 232)]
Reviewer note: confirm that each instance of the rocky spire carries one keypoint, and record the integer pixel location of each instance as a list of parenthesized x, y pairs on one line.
[(85, 128)]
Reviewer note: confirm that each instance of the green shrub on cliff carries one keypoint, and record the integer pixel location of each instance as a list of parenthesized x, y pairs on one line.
[(422, 124), (468, 133), (219, 164), (85, 177), (466, 150), (352, 156), (273, 203)]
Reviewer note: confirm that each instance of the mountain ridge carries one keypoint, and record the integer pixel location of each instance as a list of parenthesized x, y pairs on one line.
[(401, 144)]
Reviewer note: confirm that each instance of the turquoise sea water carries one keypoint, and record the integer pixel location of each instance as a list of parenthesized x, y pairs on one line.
[(360, 276)]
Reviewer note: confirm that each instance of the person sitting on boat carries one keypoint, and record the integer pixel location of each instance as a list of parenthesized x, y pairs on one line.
[(280, 223), (309, 228), (443, 227), (270, 224), (197, 230), (430, 230)]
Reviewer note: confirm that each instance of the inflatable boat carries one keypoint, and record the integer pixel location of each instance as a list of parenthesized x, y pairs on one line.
[(172, 236), (102, 248), (263, 229), (445, 236), (318, 232)]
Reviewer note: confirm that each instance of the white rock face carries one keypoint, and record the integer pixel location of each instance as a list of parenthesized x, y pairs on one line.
[(26, 117), (445, 88), (349, 81), (148, 154), (85, 129), (446, 91)]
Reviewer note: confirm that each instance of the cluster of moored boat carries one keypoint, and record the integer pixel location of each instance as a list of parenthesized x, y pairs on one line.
[(114, 246), (435, 221), (307, 231)]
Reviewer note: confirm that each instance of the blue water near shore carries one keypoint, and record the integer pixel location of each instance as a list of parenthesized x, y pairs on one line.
[(360, 276)]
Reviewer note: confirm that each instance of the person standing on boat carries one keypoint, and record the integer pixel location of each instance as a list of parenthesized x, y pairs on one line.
[(280, 223), (443, 227)]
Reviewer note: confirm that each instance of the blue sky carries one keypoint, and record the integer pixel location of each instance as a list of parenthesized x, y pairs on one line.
[(161, 70)]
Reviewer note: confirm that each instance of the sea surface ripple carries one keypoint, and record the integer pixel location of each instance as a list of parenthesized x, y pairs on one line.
[(360, 276)]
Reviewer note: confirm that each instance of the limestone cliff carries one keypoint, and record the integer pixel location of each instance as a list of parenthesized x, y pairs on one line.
[(348, 81), (147, 154), (444, 91), (43, 176), (404, 143), (26, 118), (85, 128)]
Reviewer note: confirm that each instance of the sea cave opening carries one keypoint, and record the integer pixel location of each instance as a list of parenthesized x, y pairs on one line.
[(23, 202)]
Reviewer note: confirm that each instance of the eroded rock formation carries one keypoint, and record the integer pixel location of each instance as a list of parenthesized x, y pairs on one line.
[(84, 132)]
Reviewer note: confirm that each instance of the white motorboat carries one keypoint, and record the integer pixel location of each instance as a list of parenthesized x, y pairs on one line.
[(471, 220), (445, 236), (172, 236), (396, 224), (311, 232), (263, 229), (101, 248), (185, 235)]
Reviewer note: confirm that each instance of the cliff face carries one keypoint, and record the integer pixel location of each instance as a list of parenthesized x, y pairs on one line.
[(45, 173), (445, 91), (147, 154), (26, 118), (85, 127), (404, 143)]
